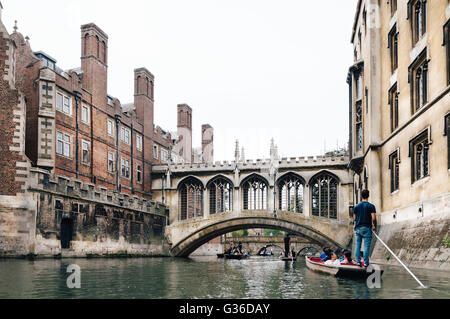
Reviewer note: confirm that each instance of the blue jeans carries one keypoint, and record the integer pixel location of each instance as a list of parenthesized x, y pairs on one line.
[(366, 233)]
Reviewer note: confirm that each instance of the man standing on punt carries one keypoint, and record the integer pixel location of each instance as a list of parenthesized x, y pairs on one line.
[(364, 216)]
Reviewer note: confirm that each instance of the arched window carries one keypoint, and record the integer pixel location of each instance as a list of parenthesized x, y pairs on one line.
[(324, 196), (255, 193), (104, 51), (86, 42), (291, 188), (151, 90), (220, 196), (191, 198), (98, 46)]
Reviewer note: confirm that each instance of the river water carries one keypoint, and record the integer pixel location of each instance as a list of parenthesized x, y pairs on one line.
[(205, 277)]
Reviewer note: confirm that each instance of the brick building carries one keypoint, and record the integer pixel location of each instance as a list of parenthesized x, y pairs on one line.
[(76, 162)]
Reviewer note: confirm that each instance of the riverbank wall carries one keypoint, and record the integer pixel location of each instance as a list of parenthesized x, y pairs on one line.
[(60, 217), (418, 234)]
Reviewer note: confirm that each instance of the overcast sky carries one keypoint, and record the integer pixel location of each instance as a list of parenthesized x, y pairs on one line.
[(253, 69)]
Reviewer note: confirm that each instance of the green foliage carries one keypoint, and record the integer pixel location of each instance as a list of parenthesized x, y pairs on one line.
[(446, 242), (267, 232), (388, 257), (240, 233)]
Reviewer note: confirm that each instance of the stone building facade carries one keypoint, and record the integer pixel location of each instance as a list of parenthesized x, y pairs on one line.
[(76, 163), (400, 124)]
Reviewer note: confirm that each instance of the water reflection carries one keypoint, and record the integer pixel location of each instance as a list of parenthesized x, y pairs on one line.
[(204, 277)]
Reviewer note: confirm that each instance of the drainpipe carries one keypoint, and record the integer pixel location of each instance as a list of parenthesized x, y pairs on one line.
[(77, 129), (163, 180), (117, 117), (350, 99), (132, 160)]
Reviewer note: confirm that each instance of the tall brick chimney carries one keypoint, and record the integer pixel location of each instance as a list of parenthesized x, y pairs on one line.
[(94, 62), (185, 131), (208, 143), (144, 98)]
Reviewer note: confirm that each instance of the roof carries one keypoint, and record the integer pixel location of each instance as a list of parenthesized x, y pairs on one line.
[(128, 107), (45, 55)]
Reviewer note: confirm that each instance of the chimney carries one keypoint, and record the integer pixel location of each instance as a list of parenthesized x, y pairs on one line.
[(94, 63), (208, 143), (144, 98), (185, 130)]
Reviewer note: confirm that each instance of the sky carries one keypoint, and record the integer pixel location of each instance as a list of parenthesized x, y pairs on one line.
[(252, 69)]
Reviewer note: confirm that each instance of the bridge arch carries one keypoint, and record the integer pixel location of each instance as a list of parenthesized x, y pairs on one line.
[(322, 172), (285, 174), (203, 235), (183, 181), (269, 246), (219, 176)]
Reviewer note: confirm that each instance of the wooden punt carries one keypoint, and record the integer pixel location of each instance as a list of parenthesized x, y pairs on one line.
[(238, 257), (343, 271), (288, 258), (220, 256)]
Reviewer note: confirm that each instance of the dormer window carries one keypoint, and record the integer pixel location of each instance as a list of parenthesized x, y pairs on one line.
[(46, 60)]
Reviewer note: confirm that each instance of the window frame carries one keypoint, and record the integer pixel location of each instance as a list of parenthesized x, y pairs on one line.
[(446, 43), (420, 64), (64, 98), (394, 109), (125, 135), (127, 167), (418, 30), (88, 117), (139, 140), (393, 48), (423, 137), (64, 143), (83, 143), (139, 173), (113, 161), (394, 7), (155, 151), (112, 127), (394, 167), (447, 133)]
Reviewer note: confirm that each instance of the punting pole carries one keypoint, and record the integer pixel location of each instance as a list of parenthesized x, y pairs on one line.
[(398, 259)]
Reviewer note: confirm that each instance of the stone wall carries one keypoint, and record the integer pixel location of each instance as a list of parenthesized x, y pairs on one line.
[(416, 235)]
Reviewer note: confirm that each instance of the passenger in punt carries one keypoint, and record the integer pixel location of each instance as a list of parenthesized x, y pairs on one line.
[(347, 258), (328, 253), (334, 261)]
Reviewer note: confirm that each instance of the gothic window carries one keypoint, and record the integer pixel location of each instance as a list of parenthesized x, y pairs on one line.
[(418, 78), (393, 7), (324, 196), (98, 46), (255, 193), (191, 198), (359, 127), (86, 39), (393, 48), (291, 189), (220, 196), (447, 44), (419, 153), (417, 12), (393, 102), (394, 166), (104, 51)]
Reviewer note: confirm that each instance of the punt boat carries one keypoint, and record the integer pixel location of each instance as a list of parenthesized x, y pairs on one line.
[(344, 271), (235, 256)]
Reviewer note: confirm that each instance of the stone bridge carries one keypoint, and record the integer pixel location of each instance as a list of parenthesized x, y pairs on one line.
[(307, 197)]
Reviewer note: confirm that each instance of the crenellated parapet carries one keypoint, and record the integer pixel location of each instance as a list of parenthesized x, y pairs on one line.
[(288, 163), (44, 182)]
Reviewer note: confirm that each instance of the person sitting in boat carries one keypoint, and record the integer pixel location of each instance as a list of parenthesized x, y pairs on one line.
[(328, 252), (334, 261), (240, 248), (347, 258)]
